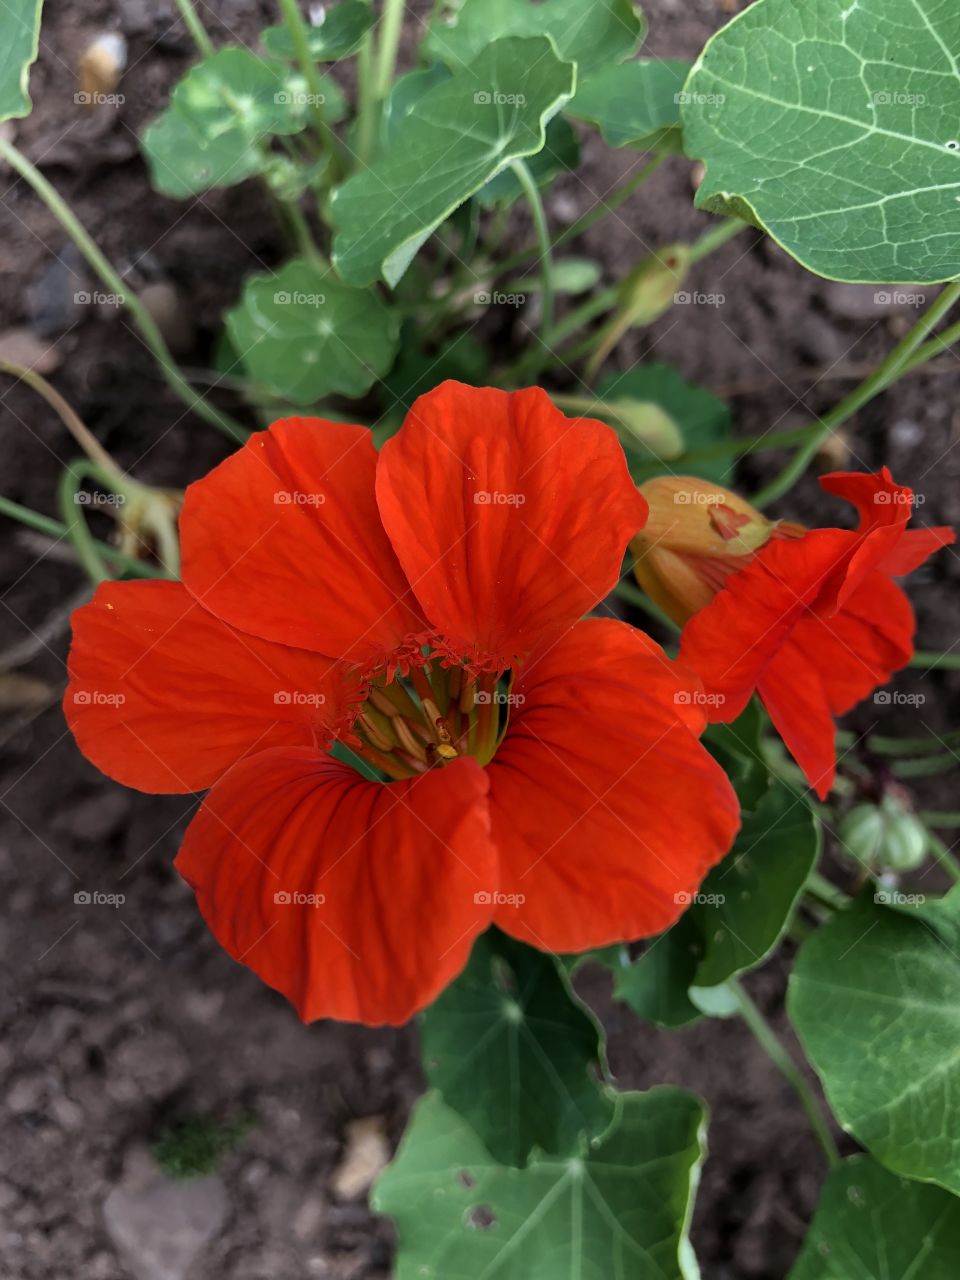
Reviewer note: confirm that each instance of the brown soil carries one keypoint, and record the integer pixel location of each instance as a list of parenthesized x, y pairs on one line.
[(114, 1021)]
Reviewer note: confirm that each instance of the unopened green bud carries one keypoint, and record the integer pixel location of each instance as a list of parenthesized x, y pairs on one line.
[(886, 836)]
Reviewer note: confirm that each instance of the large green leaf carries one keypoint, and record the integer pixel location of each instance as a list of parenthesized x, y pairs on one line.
[(703, 419), (18, 52), (634, 104), (875, 999), (836, 126), (303, 334), (337, 36), (591, 33), (456, 137), (872, 1225), (617, 1212), (739, 915), (746, 902), (513, 1051)]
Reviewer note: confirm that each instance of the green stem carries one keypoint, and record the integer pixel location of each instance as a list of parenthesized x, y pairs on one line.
[(925, 766), (715, 237), (391, 27), (887, 746), (944, 856), (819, 887), (195, 27), (587, 220), (895, 364), (766, 1037), (56, 529), (141, 316), (939, 343), (366, 100), (931, 661), (77, 529), (70, 419), (633, 595), (936, 818), (300, 37), (532, 193)]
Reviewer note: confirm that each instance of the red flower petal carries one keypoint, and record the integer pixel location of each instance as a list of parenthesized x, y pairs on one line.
[(828, 665), (284, 540), (396, 869), (730, 642), (509, 518), (165, 697), (606, 808)]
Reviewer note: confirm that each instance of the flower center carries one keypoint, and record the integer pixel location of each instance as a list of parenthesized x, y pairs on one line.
[(425, 715)]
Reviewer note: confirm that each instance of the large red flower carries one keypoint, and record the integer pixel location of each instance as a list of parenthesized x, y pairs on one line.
[(421, 608), (813, 622)]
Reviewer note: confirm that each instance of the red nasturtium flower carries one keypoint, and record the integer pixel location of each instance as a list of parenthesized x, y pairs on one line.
[(331, 593), (810, 619)]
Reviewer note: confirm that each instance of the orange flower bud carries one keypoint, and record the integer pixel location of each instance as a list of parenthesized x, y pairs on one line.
[(696, 535)]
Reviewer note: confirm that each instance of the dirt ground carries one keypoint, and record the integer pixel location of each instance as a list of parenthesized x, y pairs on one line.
[(117, 1020)]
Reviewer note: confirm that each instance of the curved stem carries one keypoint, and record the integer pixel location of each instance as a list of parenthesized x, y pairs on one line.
[(895, 364), (78, 532), (532, 193), (111, 279), (587, 220), (56, 529), (68, 416), (195, 27), (767, 1039), (944, 856)]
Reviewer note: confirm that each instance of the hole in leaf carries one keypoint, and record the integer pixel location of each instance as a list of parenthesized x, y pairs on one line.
[(480, 1217)]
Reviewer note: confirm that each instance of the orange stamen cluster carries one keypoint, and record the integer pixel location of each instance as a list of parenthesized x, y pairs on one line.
[(427, 714)]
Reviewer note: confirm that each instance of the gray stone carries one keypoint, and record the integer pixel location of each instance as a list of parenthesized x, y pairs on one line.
[(157, 1225)]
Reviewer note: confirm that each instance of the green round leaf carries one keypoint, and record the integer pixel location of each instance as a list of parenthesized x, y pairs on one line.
[(511, 1049), (620, 1210), (337, 36), (875, 1000), (303, 334), (18, 52), (182, 163), (872, 1225), (635, 104), (588, 32), (455, 138), (837, 128), (234, 90)]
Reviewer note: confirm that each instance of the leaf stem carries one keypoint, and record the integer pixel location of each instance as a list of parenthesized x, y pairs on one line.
[(944, 855), (925, 659), (68, 416), (767, 1039), (195, 27), (391, 27), (366, 100), (532, 193), (58, 530), (896, 363), (111, 279), (715, 237), (299, 35)]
